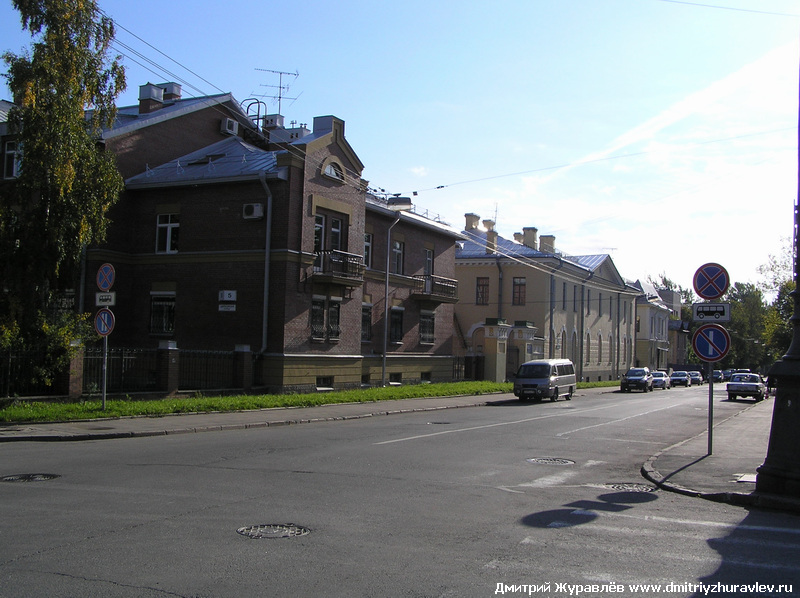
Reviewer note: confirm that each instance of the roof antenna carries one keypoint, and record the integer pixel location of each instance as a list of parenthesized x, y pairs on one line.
[(280, 87)]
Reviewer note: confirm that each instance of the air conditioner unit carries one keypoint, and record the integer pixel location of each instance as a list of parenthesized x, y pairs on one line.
[(253, 211), (229, 126)]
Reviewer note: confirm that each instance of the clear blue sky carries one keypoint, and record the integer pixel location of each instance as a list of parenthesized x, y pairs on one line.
[(661, 132)]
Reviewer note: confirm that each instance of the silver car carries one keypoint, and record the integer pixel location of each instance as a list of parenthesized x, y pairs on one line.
[(661, 380)]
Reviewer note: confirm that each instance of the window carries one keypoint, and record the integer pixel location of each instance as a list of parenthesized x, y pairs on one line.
[(333, 320), (588, 301), (482, 291), (366, 323), (325, 318), (564, 296), (12, 160), (318, 319), (334, 171), (167, 228), (396, 326), (426, 327), (428, 267), (368, 240), (599, 304), (574, 297), (336, 234), (162, 314), (518, 291), (398, 249)]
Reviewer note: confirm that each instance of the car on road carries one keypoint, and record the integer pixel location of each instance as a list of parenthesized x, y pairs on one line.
[(746, 385), (545, 378), (637, 379), (661, 380), (717, 376), (680, 379), (697, 378)]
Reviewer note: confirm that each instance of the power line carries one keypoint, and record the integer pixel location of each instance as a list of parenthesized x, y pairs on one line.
[(751, 10)]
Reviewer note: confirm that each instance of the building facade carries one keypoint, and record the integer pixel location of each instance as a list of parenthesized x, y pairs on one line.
[(523, 300), (236, 233)]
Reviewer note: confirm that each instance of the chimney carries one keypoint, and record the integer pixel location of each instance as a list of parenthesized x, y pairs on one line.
[(518, 237), (491, 240), (472, 221), (151, 98), (529, 237), (172, 91), (548, 244), (488, 224)]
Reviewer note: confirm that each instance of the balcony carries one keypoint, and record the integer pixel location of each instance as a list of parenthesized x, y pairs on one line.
[(435, 288), (339, 268)]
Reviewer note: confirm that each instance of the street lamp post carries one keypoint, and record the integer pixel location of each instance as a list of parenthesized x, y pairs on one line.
[(780, 473), (395, 204)]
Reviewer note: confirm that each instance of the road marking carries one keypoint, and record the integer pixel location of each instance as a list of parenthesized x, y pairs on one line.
[(616, 421), (486, 426)]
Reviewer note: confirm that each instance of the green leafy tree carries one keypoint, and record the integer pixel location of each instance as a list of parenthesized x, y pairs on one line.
[(748, 316), (64, 91), (778, 329)]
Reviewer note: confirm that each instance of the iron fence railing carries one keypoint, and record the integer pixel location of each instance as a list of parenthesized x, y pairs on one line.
[(20, 375), (128, 370)]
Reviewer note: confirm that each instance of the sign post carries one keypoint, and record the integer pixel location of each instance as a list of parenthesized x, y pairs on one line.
[(104, 319), (711, 342)]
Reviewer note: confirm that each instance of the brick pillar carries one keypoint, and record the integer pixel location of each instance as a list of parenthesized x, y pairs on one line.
[(75, 383), (243, 367), (168, 367)]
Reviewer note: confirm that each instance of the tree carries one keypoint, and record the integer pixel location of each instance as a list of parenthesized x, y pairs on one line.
[(748, 314), (64, 92), (778, 329)]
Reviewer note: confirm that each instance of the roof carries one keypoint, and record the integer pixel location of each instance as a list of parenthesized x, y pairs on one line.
[(228, 160), (375, 204), (129, 119)]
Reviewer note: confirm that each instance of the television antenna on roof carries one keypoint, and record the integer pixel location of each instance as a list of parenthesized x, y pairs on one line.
[(280, 86)]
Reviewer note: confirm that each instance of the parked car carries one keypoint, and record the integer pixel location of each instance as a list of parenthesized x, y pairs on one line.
[(637, 378), (697, 378), (717, 376), (746, 385), (680, 379), (551, 378), (661, 380)]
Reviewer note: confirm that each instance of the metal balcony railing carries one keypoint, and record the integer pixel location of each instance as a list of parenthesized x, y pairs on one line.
[(436, 288), (339, 267)]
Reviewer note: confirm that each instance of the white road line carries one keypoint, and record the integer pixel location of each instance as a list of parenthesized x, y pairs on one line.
[(511, 423)]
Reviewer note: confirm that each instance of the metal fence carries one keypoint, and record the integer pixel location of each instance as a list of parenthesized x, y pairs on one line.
[(19, 375), (128, 370), (199, 370)]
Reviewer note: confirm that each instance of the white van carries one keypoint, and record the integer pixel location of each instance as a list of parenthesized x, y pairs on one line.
[(545, 378)]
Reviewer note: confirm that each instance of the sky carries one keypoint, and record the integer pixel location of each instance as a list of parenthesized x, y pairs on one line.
[(661, 132)]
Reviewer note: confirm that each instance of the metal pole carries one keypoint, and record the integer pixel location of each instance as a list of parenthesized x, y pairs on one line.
[(105, 369), (710, 408), (386, 302)]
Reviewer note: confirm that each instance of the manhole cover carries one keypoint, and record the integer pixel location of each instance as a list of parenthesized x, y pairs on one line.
[(29, 477), (280, 530), (630, 487), (550, 461)]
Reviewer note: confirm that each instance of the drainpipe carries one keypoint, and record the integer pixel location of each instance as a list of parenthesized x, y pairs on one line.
[(267, 247)]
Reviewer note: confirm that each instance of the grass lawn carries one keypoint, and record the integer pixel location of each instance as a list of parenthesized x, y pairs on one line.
[(19, 410)]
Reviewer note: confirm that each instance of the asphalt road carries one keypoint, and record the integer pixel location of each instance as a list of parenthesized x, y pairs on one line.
[(512, 497)]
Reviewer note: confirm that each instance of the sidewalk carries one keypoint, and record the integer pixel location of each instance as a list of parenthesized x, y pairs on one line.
[(739, 447), (727, 475)]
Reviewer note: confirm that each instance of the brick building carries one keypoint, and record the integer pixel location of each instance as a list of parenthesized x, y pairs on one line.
[(235, 232)]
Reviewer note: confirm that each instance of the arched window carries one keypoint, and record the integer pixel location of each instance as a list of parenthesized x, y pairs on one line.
[(334, 171)]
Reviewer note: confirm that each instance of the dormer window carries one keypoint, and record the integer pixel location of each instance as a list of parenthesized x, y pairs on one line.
[(334, 171)]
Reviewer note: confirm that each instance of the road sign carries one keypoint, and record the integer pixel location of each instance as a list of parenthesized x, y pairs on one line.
[(106, 299), (105, 277), (711, 342), (711, 281), (104, 322), (719, 312)]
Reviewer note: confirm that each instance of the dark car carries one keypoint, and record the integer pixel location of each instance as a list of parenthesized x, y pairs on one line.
[(637, 379), (680, 379), (697, 378)]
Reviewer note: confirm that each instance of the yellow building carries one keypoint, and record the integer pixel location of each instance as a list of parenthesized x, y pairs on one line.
[(523, 299)]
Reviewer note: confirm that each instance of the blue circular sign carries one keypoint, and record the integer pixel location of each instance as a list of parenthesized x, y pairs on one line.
[(711, 281), (711, 342), (105, 277), (104, 322)]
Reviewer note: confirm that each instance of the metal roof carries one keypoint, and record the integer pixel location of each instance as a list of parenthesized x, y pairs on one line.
[(227, 160)]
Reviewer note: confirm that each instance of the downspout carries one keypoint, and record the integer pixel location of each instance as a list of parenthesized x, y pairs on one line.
[(262, 176), (499, 289)]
